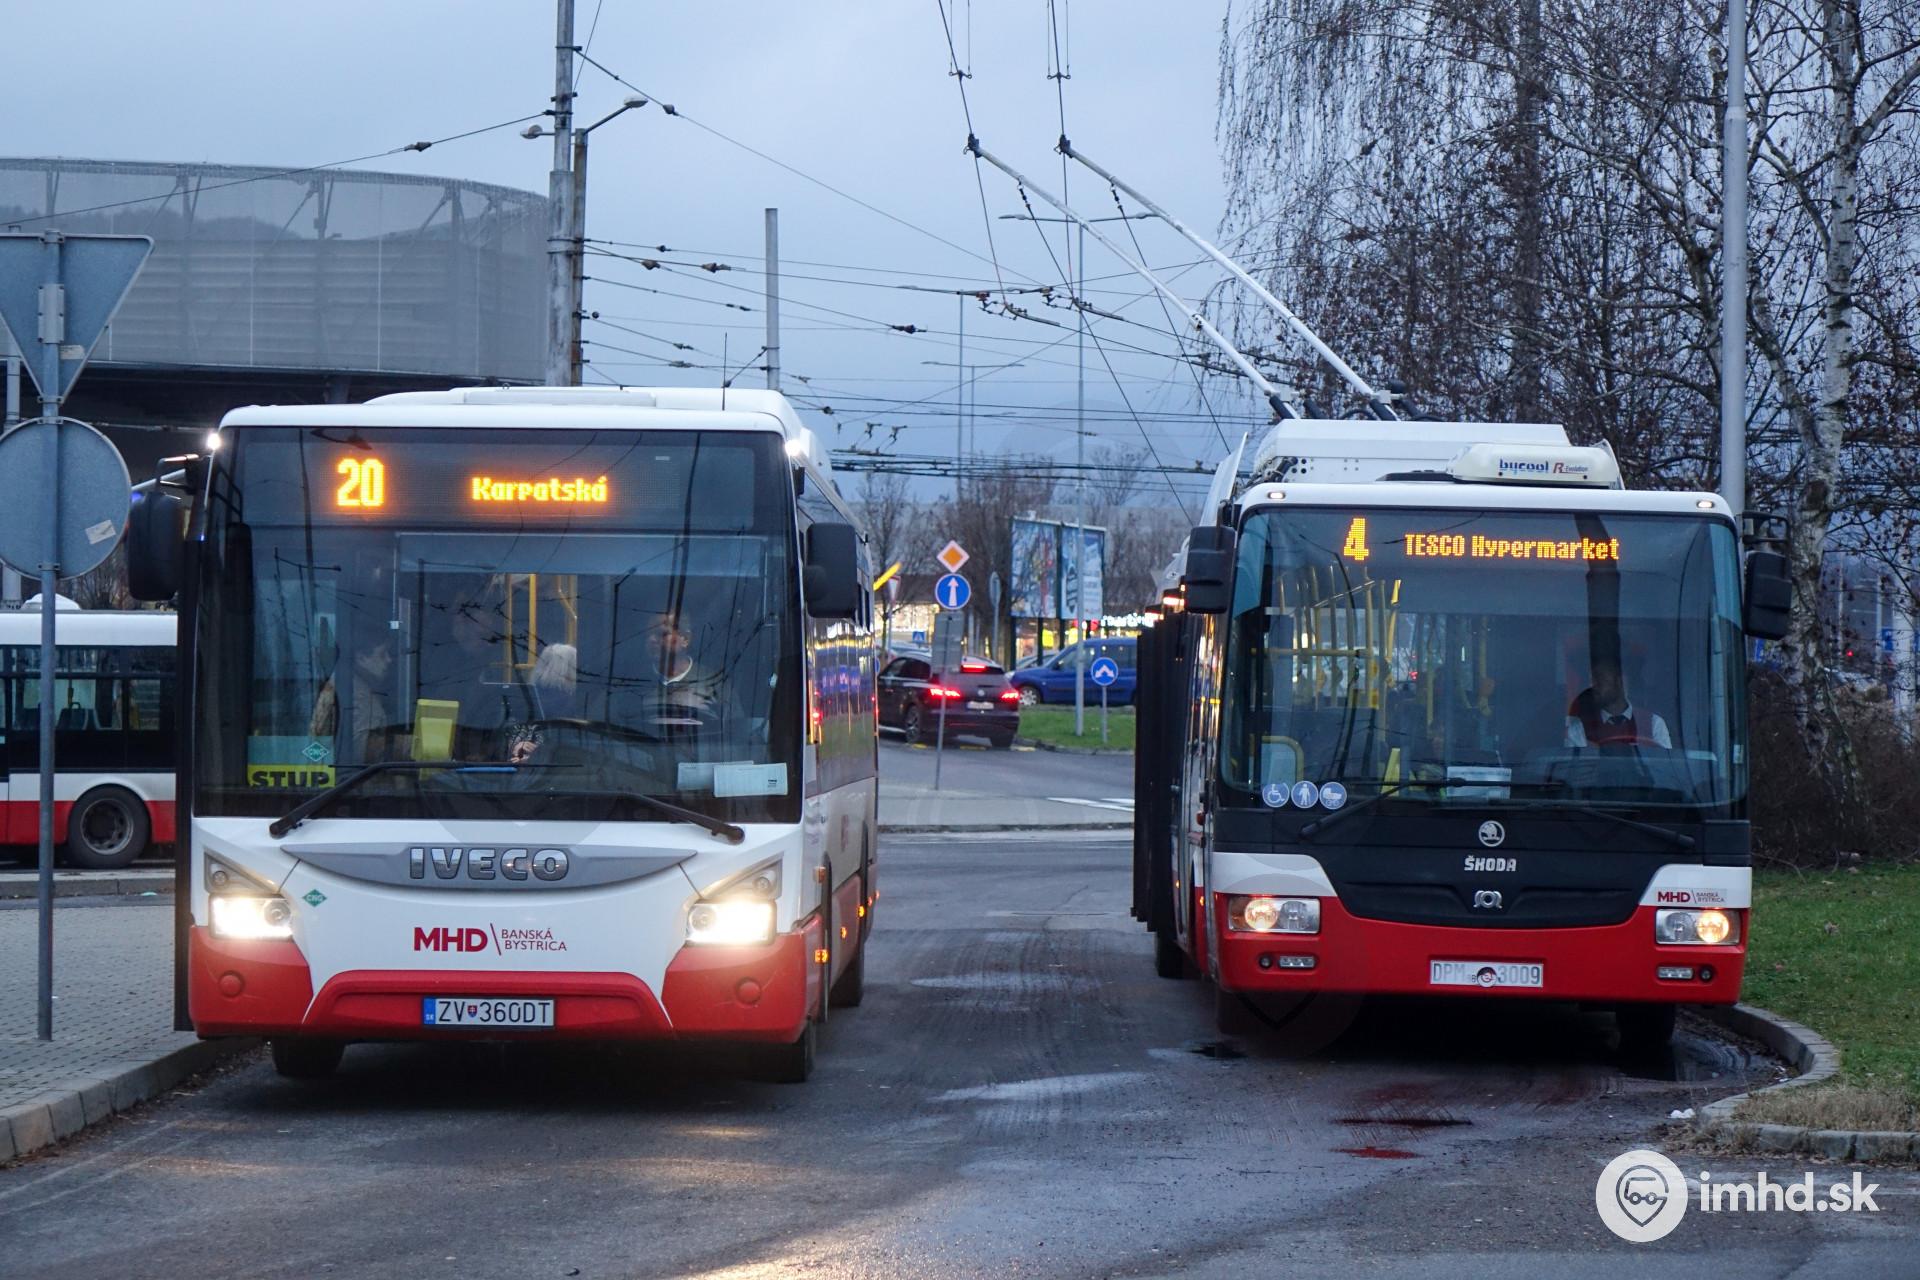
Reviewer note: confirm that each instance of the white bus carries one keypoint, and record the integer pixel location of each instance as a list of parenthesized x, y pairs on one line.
[(114, 739), (538, 713)]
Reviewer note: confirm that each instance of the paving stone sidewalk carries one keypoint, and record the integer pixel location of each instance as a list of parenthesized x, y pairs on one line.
[(114, 1043)]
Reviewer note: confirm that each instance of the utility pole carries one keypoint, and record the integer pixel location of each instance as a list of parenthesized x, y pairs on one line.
[(1080, 526), (1733, 250), (560, 225), (577, 261), (773, 299), (960, 396)]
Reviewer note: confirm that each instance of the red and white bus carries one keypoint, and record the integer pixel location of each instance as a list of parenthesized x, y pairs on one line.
[(1441, 709), (541, 713), (114, 738)]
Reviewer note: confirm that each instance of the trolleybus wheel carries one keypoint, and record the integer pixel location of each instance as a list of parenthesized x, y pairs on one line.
[(791, 1063), (107, 829), (851, 987), (1169, 958), (1645, 1028), (305, 1058)]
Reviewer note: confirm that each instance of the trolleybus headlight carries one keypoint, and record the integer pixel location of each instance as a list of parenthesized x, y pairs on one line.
[(1711, 927), (237, 917), (735, 923), (1273, 915)]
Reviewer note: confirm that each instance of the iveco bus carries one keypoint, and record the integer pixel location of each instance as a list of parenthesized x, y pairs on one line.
[(532, 714), (1443, 709)]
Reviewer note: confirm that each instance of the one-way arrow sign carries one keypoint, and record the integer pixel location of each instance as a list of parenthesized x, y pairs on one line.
[(57, 293)]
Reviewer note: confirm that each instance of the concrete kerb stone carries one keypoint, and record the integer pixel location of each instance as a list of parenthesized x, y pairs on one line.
[(69, 884), (53, 1117), (1815, 1059)]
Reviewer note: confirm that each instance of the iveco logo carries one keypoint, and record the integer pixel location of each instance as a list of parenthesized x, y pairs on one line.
[(1486, 900), (451, 862), (1492, 834)]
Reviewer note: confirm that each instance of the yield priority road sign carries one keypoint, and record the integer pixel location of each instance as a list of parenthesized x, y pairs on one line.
[(60, 291)]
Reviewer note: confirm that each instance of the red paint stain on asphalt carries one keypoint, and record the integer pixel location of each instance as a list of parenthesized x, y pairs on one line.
[(1378, 1153)]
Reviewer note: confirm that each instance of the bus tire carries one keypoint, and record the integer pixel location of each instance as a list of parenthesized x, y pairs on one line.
[(791, 1063), (851, 986), (1169, 958), (1645, 1028), (306, 1058), (107, 828)]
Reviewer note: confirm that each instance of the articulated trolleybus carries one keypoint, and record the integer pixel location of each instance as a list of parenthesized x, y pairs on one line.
[(1447, 711), (540, 713)]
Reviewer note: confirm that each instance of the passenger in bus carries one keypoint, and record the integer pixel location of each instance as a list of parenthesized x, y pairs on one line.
[(365, 733), (556, 676), (493, 719), (1602, 715)]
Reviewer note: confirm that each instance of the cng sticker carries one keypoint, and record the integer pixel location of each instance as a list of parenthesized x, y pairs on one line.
[(308, 776)]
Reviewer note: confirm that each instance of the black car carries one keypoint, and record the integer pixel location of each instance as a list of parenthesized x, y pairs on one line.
[(978, 700)]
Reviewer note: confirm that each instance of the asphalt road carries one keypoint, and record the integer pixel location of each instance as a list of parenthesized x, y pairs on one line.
[(1019, 1095), (1019, 772)]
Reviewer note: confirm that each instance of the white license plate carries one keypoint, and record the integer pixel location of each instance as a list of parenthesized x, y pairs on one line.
[(485, 1011), (1486, 973), (979, 706)]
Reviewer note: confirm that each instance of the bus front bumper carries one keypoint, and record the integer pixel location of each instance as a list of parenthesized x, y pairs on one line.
[(1603, 963), (265, 988)]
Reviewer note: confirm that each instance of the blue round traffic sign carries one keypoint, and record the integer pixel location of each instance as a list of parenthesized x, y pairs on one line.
[(952, 591), (1103, 672)]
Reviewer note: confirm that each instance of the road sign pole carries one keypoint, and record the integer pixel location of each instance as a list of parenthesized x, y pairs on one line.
[(939, 740), (53, 325), (1103, 715)]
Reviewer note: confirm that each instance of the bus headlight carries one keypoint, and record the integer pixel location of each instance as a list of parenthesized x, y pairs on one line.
[(234, 916), (1255, 914), (1711, 927), (734, 923)]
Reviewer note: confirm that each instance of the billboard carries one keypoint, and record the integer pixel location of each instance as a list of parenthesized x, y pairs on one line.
[(1045, 577)]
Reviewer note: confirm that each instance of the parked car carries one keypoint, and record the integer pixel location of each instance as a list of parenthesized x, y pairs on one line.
[(1052, 680), (978, 700)]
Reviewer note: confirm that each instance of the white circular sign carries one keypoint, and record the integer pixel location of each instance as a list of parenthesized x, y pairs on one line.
[(1333, 794), (1305, 794), (1275, 794), (1641, 1196)]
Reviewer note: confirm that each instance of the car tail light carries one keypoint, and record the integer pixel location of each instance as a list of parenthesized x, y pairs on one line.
[(1009, 695), (973, 666), (941, 691)]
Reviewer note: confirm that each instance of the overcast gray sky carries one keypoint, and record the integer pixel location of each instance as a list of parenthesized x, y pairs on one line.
[(854, 92)]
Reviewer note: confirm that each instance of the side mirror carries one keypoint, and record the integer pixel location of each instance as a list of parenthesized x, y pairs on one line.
[(832, 575), (156, 544), (1769, 603), (1210, 569)]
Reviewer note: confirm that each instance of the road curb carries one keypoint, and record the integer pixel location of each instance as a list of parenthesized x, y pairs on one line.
[(60, 1113), (1815, 1059), (88, 884), (1041, 745), (987, 828)]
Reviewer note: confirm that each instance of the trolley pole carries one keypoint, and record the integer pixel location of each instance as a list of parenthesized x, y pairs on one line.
[(560, 205)]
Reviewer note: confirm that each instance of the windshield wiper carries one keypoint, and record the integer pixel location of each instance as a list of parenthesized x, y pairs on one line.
[(1678, 839), (314, 803), (1320, 824)]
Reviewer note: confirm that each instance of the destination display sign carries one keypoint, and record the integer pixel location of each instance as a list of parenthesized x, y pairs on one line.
[(1556, 541)]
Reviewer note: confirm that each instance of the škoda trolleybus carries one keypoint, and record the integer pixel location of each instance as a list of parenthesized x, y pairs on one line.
[(1450, 712), (537, 714)]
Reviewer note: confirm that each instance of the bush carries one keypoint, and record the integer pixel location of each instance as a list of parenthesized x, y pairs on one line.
[(1797, 819)]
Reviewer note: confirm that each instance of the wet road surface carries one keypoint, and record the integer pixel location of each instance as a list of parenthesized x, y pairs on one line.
[(1019, 1095)]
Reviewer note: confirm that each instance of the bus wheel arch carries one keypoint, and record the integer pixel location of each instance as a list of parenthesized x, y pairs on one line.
[(107, 828)]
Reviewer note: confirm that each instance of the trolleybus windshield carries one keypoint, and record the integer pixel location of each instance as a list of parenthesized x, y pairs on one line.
[(611, 613), (1551, 657)]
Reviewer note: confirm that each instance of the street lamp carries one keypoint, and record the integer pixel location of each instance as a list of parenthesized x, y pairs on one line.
[(963, 445), (576, 235)]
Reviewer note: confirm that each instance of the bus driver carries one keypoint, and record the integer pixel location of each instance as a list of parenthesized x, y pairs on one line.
[(1602, 716)]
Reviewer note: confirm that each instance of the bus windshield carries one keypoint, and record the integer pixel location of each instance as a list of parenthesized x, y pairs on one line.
[(1545, 658), (576, 618)]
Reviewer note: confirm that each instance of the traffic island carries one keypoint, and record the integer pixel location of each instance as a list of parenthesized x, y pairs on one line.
[(1835, 950)]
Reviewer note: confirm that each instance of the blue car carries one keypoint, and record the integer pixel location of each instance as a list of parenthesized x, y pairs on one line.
[(1053, 679)]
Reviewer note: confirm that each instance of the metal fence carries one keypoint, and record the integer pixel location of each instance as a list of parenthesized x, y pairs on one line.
[(264, 268)]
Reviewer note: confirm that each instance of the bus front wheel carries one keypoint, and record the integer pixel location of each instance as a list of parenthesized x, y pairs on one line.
[(1645, 1028), (107, 828), (791, 1063)]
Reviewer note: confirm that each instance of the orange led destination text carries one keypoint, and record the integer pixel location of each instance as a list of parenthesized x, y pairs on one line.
[(557, 492), (1460, 546)]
